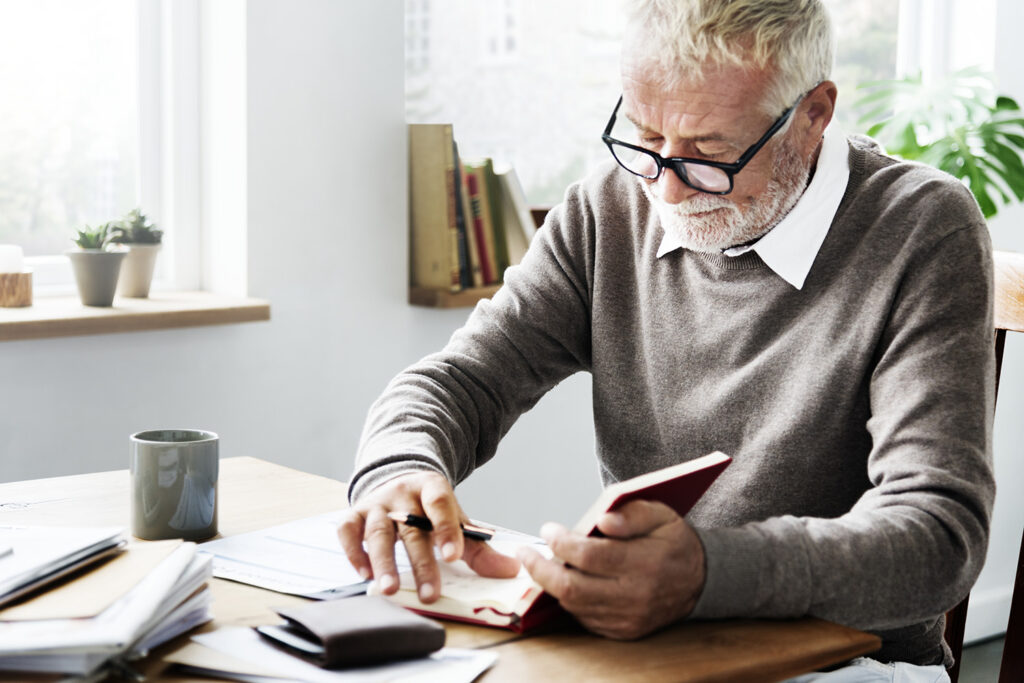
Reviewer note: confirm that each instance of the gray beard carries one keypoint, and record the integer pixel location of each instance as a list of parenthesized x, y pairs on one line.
[(710, 223)]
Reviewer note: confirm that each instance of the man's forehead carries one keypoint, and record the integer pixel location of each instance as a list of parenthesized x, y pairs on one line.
[(710, 107), (701, 116), (654, 126)]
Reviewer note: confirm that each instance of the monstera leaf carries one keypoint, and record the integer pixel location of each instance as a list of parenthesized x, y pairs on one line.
[(960, 125)]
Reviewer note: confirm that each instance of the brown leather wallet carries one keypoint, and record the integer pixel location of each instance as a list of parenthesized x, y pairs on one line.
[(355, 631)]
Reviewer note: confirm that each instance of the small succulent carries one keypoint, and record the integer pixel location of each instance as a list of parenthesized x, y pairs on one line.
[(135, 228), (95, 238)]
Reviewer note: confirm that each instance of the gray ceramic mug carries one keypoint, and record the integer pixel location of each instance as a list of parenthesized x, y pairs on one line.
[(174, 484)]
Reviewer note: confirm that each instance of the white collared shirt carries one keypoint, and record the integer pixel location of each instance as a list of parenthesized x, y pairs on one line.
[(790, 248)]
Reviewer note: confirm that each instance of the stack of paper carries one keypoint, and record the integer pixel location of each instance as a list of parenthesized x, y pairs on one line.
[(31, 557), (113, 614), (303, 557)]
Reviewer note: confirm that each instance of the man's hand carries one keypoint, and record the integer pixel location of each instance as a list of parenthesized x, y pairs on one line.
[(421, 493), (647, 572)]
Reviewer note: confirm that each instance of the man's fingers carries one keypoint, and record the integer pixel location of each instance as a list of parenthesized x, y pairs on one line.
[(636, 518), (598, 556), (440, 506), (380, 542), (486, 561), (421, 556), (604, 605), (350, 533), (578, 592)]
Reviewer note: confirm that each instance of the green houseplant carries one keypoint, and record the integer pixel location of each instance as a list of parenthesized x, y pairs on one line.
[(96, 263), (142, 240), (960, 125)]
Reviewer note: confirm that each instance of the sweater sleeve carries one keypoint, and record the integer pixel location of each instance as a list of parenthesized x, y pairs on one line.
[(913, 544), (448, 412)]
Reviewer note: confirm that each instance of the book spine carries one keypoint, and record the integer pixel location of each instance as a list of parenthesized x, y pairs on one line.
[(517, 235), (494, 201), (514, 191), (454, 284), (433, 234), (472, 249), (479, 227), (462, 250)]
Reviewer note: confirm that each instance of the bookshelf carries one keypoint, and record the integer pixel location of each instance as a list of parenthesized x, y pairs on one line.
[(431, 297), (468, 221), (440, 298)]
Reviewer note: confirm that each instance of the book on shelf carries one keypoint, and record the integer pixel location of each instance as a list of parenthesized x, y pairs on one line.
[(519, 225), (494, 214), (472, 241), (481, 223), (519, 603), (465, 219), (469, 259), (433, 230)]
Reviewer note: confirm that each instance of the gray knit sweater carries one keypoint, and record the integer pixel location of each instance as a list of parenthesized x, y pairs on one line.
[(857, 410)]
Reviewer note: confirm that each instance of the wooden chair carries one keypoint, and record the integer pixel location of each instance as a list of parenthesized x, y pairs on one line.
[(1009, 316)]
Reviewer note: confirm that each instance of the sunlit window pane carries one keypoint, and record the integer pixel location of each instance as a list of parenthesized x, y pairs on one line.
[(531, 83), (68, 118)]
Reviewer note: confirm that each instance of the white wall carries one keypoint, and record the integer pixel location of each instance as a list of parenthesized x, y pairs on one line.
[(326, 245), (325, 199)]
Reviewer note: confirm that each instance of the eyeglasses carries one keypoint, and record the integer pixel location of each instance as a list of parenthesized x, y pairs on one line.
[(712, 177)]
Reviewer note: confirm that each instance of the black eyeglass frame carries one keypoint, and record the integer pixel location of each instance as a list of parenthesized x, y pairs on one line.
[(676, 163)]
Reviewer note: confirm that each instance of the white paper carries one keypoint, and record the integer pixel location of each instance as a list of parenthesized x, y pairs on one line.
[(37, 551), (157, 608), (118, 626), (462, 584), (303, 557), (448, 664)]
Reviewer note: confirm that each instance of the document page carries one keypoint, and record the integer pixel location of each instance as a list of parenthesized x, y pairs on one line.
[(303, 557)]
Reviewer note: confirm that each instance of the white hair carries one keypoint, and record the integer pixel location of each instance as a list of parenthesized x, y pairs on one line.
[(792, 39)]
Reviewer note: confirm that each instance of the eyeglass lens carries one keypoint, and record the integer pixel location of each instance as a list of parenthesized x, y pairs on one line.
[(699, 176)]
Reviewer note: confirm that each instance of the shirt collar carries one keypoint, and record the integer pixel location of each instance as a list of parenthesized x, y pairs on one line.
[(790, 248)]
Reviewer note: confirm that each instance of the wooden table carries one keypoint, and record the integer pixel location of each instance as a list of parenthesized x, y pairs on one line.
[(256, 494)]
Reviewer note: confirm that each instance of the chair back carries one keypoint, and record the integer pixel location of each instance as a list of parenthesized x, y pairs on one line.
[(1009, 317)]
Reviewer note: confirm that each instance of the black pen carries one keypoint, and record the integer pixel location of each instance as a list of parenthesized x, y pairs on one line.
[(477, 533)]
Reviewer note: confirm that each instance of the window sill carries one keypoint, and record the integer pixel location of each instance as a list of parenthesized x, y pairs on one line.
[(65, 316)]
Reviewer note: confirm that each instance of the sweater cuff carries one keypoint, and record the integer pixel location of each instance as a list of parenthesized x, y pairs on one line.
[(366, 480), (745, 576)]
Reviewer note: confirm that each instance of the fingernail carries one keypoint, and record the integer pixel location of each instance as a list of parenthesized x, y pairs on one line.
[(426, 591), (365, 573), (548, 531), (387, 582), (448, 551)]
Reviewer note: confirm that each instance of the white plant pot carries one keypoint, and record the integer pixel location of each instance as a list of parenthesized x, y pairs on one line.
[(96, 273), (137, 271)]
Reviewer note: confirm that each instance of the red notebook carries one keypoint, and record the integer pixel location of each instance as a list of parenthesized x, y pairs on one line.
[(520, 604)]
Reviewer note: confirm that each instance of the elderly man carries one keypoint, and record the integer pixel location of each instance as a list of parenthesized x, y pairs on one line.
[(742, 278)]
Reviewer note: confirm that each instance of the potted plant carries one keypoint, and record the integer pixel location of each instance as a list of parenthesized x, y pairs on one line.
[(960, 125), (143, 241), (96, 265)]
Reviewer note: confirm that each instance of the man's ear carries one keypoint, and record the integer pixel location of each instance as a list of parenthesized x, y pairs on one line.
[(815, 112)]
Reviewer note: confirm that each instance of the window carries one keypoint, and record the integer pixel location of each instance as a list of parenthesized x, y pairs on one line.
[(92, 93), (531, 84), (69, 152)]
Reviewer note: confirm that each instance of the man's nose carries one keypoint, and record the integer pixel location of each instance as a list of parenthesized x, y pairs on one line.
[(671, 189)]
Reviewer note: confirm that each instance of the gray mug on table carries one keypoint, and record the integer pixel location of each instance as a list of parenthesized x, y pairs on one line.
[(174, 484)]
